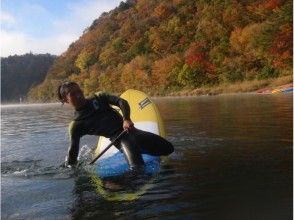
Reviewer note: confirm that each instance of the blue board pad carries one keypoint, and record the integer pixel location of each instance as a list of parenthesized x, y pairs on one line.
[(116, 165)]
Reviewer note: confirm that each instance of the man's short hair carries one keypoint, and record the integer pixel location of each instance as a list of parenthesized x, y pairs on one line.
[(63, 89)]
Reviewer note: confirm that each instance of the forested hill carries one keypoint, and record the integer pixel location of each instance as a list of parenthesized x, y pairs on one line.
[(19, 73), (165, 45)]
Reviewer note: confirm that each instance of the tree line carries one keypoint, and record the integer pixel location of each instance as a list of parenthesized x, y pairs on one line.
[(167, 45), (20, 72)]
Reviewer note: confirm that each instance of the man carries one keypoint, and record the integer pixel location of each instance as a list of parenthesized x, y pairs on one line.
[(95, 116)]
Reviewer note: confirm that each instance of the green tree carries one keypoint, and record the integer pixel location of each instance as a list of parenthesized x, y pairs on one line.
[(83, 60)]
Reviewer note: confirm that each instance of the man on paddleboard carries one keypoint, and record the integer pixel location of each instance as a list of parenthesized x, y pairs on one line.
[(95, 116)]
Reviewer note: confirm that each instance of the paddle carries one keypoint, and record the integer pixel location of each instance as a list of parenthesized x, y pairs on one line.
[(96, 158)]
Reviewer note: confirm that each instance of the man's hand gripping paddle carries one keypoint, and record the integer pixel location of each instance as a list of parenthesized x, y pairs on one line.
[(118, 137)]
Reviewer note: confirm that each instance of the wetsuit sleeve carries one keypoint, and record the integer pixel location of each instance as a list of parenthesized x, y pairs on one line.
[(73, 149), (117, 101)]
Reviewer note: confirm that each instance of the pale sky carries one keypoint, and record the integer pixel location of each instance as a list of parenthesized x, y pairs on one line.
[(46, 26)]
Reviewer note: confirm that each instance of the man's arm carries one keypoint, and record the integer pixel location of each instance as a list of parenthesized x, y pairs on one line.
[(122, 104), (73, 150), (117, 101)]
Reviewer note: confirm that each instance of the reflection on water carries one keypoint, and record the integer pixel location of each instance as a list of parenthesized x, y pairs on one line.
[(233, 160)]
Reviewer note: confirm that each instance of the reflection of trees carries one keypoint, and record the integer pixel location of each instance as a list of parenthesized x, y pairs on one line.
[(228, 116)]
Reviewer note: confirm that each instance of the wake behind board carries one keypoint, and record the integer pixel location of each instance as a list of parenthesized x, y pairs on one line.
[(112, 164)]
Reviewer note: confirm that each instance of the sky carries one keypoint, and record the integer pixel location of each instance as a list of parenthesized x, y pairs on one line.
[(46, 26)]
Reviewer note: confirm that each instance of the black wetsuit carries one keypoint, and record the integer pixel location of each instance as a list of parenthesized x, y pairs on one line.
[(97, 117)]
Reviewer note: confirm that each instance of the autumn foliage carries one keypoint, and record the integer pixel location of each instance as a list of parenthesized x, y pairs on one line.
[(161, 46)]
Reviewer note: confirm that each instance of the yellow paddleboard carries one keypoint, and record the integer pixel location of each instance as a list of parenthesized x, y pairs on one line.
[(144, 114)]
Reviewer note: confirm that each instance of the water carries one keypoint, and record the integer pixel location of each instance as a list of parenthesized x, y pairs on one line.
[(233, 160)]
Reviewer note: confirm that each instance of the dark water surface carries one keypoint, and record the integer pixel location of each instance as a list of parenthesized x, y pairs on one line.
[(233, 160)]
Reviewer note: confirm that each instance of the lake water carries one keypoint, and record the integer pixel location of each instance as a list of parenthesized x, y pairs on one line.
[(233, 160)]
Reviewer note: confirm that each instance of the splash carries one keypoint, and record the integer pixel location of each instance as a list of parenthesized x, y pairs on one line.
[(19, 166), (33, 169), (85, 154)]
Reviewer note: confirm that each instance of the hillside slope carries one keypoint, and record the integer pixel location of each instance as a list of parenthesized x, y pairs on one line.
[(20, 73), (163, 46)]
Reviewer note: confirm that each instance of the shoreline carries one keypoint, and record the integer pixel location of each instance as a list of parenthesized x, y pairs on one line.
[(245, 87), (152, 97)]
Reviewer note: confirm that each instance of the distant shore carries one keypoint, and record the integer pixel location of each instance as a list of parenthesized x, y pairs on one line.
[(253, 86)]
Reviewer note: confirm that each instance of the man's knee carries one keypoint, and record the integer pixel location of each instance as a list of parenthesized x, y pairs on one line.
[(168, 148)]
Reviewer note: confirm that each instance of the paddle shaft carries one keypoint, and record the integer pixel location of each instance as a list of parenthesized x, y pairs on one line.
[(96, 158)]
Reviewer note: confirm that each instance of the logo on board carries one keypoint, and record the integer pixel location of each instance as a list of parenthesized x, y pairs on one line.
[(144, 103)]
